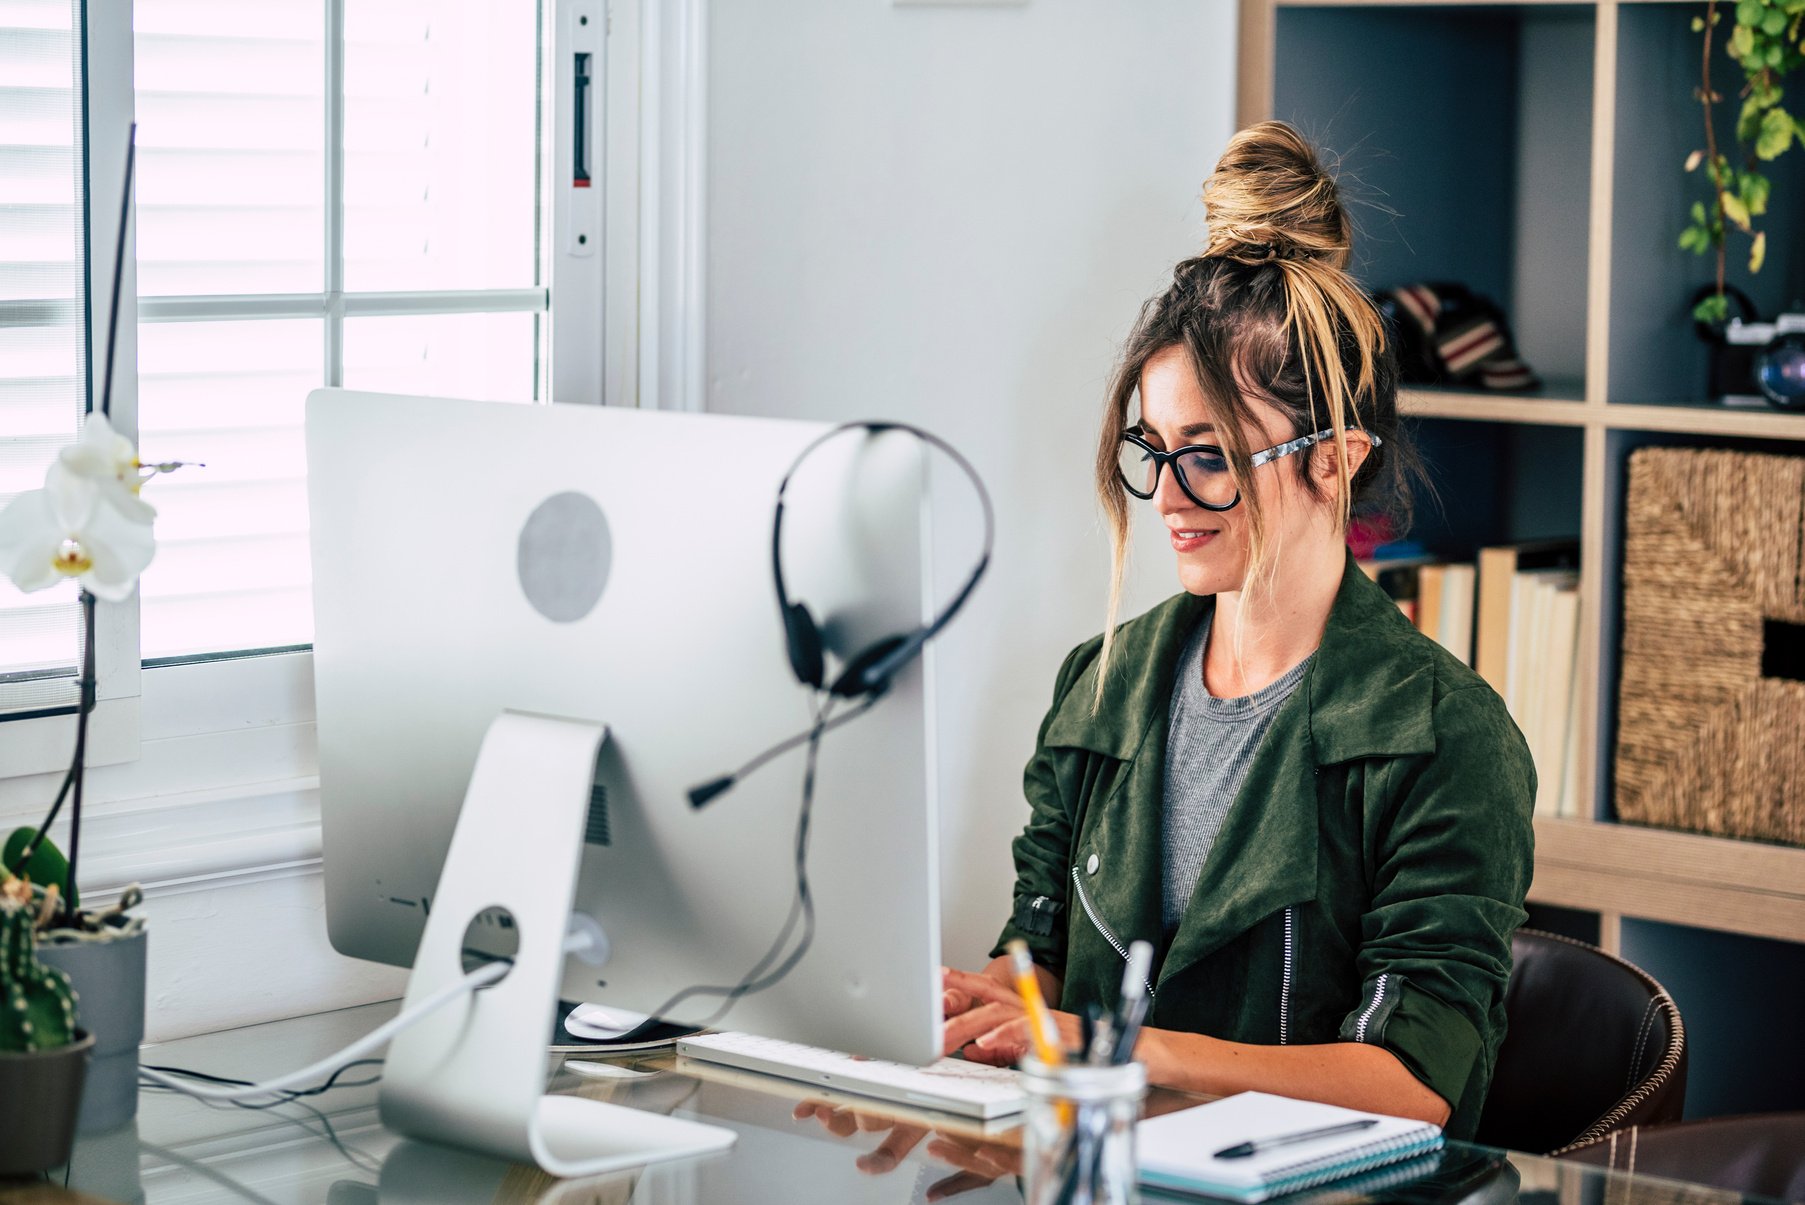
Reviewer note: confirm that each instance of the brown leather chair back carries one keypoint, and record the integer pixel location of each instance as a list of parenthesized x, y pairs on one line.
[(1594, 1044), (1761, 1155)]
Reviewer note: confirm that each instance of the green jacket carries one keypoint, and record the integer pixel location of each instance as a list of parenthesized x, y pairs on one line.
[(1368, 877)]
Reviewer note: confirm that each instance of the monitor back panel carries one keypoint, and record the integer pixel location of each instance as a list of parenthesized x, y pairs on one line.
[(458, 572)]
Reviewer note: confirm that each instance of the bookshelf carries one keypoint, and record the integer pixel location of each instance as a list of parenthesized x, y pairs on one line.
[(1533, 151)]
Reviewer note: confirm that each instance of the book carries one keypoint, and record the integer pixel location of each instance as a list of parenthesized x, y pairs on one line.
[(1181, 1152), (1498, 567), (1456, 634)]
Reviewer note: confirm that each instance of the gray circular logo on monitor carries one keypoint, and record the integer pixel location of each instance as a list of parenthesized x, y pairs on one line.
[(564, 555)]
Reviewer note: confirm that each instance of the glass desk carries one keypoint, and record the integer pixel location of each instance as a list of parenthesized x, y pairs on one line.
[(337, 1152)]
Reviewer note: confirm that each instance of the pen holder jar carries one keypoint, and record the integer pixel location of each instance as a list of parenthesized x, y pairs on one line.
[(1078, 1140)]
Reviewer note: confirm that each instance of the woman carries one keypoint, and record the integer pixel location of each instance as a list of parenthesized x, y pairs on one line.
[(1319, 819)]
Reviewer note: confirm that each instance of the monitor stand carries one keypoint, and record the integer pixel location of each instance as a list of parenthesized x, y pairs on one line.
[(472, 1074)]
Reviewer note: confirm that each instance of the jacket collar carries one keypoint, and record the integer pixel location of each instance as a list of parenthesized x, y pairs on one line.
[(1369, 652)]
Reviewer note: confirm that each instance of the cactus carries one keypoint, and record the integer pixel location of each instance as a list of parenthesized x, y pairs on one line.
[(37, 1004)]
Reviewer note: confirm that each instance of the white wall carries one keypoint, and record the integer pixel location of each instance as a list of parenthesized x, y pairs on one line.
[(950, 215)]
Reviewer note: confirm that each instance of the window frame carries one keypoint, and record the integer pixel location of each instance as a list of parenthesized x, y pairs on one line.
[(223, 783)]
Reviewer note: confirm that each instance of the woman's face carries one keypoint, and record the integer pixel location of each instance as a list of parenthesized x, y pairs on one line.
[(1212, 546)]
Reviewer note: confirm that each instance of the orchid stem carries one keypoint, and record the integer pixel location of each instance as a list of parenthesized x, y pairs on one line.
[(79, 769)]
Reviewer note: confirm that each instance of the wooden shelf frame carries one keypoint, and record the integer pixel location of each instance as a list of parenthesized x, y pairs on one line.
[(1615, 870)]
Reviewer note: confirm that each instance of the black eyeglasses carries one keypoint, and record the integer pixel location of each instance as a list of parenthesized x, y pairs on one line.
[(1201, 469)]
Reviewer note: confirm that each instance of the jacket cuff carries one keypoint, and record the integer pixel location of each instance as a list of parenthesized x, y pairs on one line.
[(1433, 1040), (1038, 920)]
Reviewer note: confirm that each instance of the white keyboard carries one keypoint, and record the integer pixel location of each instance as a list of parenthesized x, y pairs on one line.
[(950, 1085)]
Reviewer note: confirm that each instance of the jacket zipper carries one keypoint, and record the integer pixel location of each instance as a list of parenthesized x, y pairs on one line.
[(1378, 998), (1084, 901), (1285, 983)]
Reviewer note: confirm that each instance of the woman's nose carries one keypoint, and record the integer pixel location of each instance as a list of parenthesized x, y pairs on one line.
[(1169, 497)]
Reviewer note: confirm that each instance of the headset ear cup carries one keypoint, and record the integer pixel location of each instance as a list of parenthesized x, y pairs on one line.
[(865, 673), (804, 641)]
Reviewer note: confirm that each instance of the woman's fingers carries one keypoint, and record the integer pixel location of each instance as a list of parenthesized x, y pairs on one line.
[(978, 987), (1010, 1035), (986, 1159), (892, 1150), (968, 1027), (952, 1003), (957, 1185)]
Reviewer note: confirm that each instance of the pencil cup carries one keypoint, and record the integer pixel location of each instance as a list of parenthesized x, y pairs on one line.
[(1079, 1132)]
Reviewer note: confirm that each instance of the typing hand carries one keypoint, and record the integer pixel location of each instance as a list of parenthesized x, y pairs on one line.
[(993, 1028)]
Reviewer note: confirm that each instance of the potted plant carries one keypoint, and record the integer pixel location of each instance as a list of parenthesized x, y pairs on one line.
[(102, 953), (1767, 43), (43, 1056)]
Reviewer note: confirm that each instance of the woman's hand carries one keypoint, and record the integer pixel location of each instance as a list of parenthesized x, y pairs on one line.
[(992, 1024)]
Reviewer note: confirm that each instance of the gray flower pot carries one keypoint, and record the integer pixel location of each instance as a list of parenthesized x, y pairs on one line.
[(108, 977), (40, 1094)]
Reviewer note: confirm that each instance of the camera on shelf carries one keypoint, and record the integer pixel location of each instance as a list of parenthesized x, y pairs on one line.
[(1754, 361), (1765, 360)]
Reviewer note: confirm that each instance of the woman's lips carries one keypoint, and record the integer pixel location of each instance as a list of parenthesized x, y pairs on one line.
[(1190, 539)]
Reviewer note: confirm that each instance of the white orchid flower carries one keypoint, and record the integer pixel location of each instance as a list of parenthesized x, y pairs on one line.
[(66, 530), (107, 458)]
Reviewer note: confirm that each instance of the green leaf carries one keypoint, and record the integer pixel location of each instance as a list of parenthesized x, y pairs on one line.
[(1715, 308), (1735, 210), (1693, 239), (1698, 212), (1775, 52), (1748, 12), (1773, 23), (1777, 129), (1758, 253), (1698, 25), (1756, 188), (46, 866), (1741, 43)]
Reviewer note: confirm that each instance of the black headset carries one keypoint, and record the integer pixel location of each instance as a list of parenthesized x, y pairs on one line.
[(870, 670)]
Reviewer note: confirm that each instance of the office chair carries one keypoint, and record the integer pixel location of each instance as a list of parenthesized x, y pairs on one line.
[(1761, 1155), (1594, 1044)]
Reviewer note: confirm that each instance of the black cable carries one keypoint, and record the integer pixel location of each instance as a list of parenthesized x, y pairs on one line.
[(758, 978), (286, 1095)]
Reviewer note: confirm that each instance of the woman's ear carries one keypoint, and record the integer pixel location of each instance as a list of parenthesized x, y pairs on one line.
[(1323, 464)]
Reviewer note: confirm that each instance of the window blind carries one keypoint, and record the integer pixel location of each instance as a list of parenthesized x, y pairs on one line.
[(43, 345), (339, 193)]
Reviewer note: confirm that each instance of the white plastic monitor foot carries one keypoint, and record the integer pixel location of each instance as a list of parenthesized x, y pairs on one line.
[(471, 1075)]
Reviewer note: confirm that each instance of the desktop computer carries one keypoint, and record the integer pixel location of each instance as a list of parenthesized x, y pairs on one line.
[(555, 621)]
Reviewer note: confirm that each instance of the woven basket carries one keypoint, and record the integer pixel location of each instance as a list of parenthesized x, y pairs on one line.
[(1711, 715)]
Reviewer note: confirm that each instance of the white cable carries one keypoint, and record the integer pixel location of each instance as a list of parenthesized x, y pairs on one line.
[(482, 977)]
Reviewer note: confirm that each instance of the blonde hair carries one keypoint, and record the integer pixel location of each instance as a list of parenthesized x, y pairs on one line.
[(1268, 311)]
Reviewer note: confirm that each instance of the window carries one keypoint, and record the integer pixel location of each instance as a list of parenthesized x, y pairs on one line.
[(330, 192), (43, 329)]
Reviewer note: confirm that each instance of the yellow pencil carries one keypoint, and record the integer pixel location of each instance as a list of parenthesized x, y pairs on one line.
[(1040, 1021)]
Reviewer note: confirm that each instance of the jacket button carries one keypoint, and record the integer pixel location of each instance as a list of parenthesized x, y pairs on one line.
[(1090, 867)]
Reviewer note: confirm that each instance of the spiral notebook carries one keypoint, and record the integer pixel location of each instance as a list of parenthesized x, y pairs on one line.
[(1179, 1152)]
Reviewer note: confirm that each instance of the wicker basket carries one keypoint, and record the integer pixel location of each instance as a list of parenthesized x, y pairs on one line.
[(1711, 718)]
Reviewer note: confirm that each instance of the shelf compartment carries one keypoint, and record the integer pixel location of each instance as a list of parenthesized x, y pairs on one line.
[(1655, 355), (1681, 878), (1508, 89)]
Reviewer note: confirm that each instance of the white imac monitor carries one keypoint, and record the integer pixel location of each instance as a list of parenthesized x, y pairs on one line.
[(614, 566)]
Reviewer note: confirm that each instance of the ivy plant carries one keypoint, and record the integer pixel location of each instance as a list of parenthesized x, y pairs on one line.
[(1767, 43)]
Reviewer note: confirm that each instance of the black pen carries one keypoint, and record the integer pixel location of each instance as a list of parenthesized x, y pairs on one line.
[(1242, 1150)]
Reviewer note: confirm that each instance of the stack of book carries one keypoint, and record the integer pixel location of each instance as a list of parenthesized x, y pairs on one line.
[(1514, 616)]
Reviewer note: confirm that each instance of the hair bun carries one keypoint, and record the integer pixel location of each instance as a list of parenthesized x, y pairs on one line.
[(1269, 199)]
